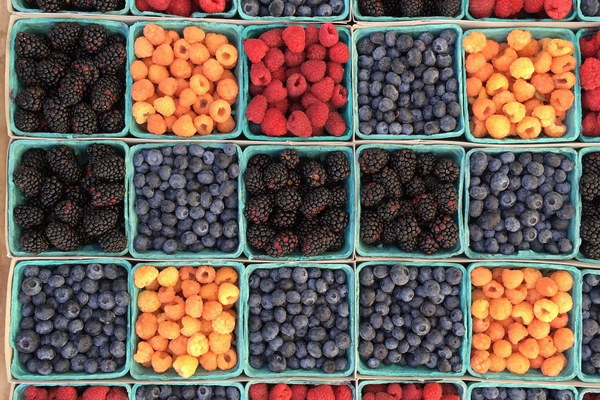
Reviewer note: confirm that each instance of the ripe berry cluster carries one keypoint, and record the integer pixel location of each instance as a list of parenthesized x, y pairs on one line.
[(299, 319), (516, 393), (187, 392), (539, 9), (589, 189), (409, 8), (68, 205), (407, 202), (296, 202), (296, 83), (411, 317), (293, 8), (52, 6), (411, 391), (589, 74), (282, 391), (520, 201), (590, 300), (72, 78), (74, 319), (184, 8), (75, 393), (407, 85)]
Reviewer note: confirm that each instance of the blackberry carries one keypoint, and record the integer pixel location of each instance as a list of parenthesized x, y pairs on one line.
[(83, 119), (35, 158), (282, 219), (589, 210), (408, 245), (294, 179), (590, 230), (86, 69), (33, 241), (373, 8), (313, 173), (316, 242), (388, 210), (99, 151), (390, 181), (445, 232), (590, 250), (63, 162), (305, 227), (26, 72), (64, 35), (408, 228), (288, 199), (426, 164), (106, 194), (406, 207), (49, 72), (591, 163), (425, 208), (289, 158), (258, 209), (371, 194), (446, 170), (31, 45), (370, 230), (372, 160), (105, 93), (105, 5), (111, 169), (31, 98), (56, 115), (111, 121), (335, 219), (275, 176), (114, 241), (337, 242), (258, 236), (51, 192), (259, 161), (51, 5), (282, 244), (404, 162), (93, 38), (99, 220), (391, 232), (415, 187), (253, 180), (69, 212), (116, 38), (339, 196), (337, 166), (111, 58), (27, 216), (71, 89), (315, 201), (411, 8), (589, 187), (446, 197), (83, 5), (427, 244), (26, 121), (28, 179), (63, 237), (61, 58), (448, 8)]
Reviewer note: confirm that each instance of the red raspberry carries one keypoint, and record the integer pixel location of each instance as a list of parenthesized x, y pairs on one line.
[(370, 395), (183, 8), (311, 33), (281, 391), (212, 6), (335, 125), (298, 392), (481, 8), (143, 5), (255, 112), (95, 393), (411, 392), (382, 395), (328, 35), (254, 90), (590, 125), (115, 393), (294, 38), (339, 53), (273, 124), (335, 71), (589, 74), (448, 388), (323, 90), (299, 125), (342, 392), (279, 74), (588, 46), (316, 52), (294, 59), (33, 393), (275, 91), (558, 9), (282, 105), (67, 393), (506, 8), (318, 113), (590, 99), (308, 98), (296, 106), (296, 85), (321, 392), (313, 70), (160, 5), (272, 37), (258, 391), (379, 387), (450, 397), (339, 97), (260, 74), (274, 59), (317, 131), (395, 390), (533, 6), (291, 71), (432, 391), (255, 49)]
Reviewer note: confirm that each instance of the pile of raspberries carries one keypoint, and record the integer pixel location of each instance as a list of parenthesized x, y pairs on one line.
[(554, 9), (589, 76), (410, 391), (184, 8), (296, 78), (72, 393), (281, 391)]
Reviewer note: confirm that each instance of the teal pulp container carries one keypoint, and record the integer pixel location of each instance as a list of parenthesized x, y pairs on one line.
[(573, 232), (573, 118), (420, 372), (582, 17), (254, 31), (580, 35), (460, 386), (16, 197), (42, 25), (301, 382), (236, 385), (142, 373), (455, 153), (520, 385), (299, 373), (19, 393), (579, 339), (232, 32), (573, 354), (358, 15), (457, 66), (584, 391), (17, 369), (229, 12), (315, 153), (569, 17), (582, 152), (22, 6), (344, 15), (132, 222)]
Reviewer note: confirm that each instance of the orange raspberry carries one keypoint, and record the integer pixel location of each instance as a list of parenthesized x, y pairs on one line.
[(161, 361), (227, 89), (523, 313), (530, 50), (502, 348), (193, 34), (497, 364), (563, 339), (139, 70), (543, 83), (180, 68), (536, 363), (169, 329), (518, 39), (185, 365), (219, 110), (212, 69), (144, 353), (194, 306), (481, 325), (498, 126), (538, 329), (187, 273), (473, 86), (529, 128), (480, 276), (529, 348), (517, 363), (227, 55), (480, 362), (211, 310), (512, 278), (545, 114), (496, 84), (495, 331), (227, 126), (502, 98), (163, 55), (189, 325), (481, 341), (166, 294), (204, 125), (531, 276), (484, 73), (493, 290), (566, 80), (506, 323), (164, 105), (197, 345), (155, 34), (219, 343), (517, 295), (533, 296), (474, 62), (560, 321), (224, 323), (504, 61), (227, 360), (205, 327), (522, 67), (228, 293), (156, 124), (563, 64), (208, 361), (523, 90), (555, 130), (564, 302), (178, 347), (168, 276), (553, 366), (184, 126), (478, 128), (543, 62), (148, 301), (146, 325), (474, 42), (545, 310), (500, 308), (142, 90), (490, 50), (477, 294), (189, 288), (214, 40), (546, 286), (205, 274), (560, 47), (516, 332), (561, 99), (547, 347), (200, 84), (176, 310), (210, 291), (199, 53), (142, 47)]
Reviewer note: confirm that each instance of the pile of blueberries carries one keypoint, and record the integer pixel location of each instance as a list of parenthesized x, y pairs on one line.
[(407, 85), (293, 8), (186, 198), (516, 393), (74, 318), (520, 201), (299, 319), (411, 317), (187, 392), (590, 304)]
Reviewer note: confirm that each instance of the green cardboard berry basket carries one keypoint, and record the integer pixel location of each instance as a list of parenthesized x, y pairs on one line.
[(414, 31), (584, 391), (132, 222), (309, 383), (300, 373), (583, 17), (569, 17), (520, 385), (254, 31), (580, 35), (359, 17), (229, 12), (19, 393), (573, 354), (315, 153), (460, 386), (17, 369), (582, 152), (572, 233), (239, 386), (139, 372), (42, 25), (344, 15), (573, 118), (419, 372), (457, 154), (580, 374), (22, 6), (16, 197), (232, 32)]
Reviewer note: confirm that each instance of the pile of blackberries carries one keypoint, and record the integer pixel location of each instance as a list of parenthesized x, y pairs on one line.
[(74, 318), (187, 392), (517, 393), (408, 200), (296, 203), (589, 188), (69, 205), (186, 198), (299, 319), (73, 80), (409, 8)]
